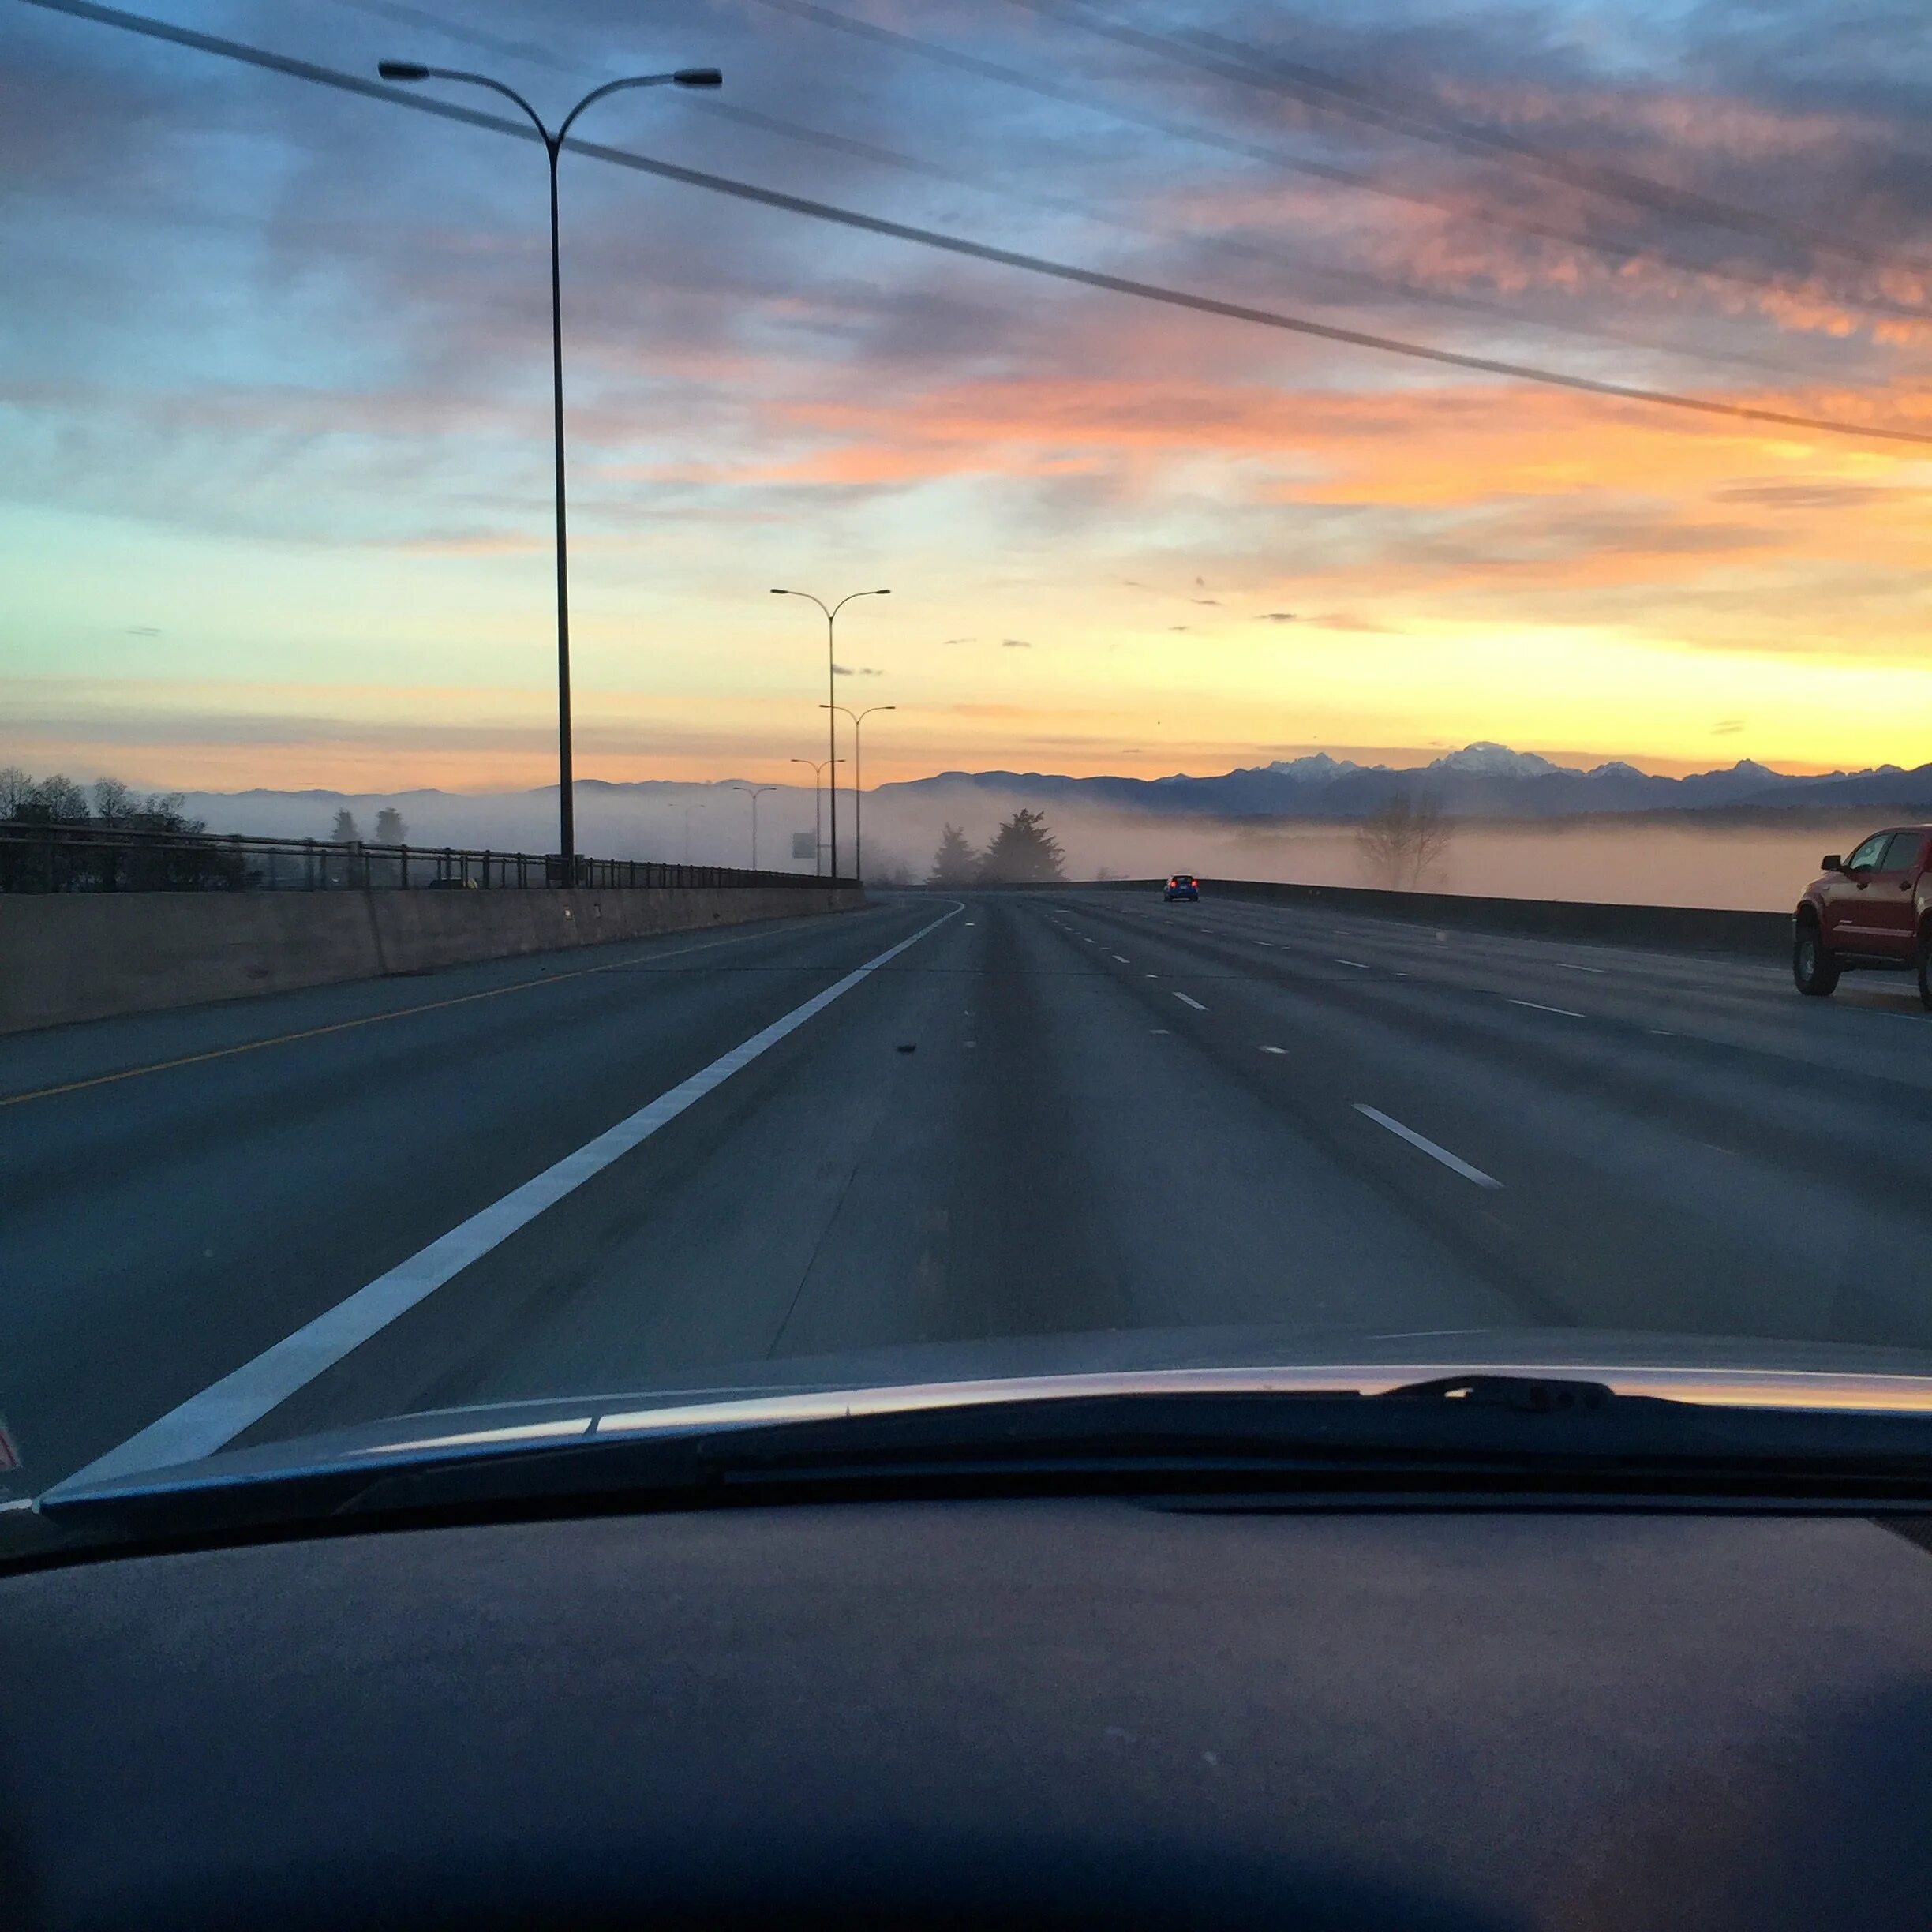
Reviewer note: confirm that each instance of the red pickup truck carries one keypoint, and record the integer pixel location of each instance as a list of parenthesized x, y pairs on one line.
[(1874, 908)]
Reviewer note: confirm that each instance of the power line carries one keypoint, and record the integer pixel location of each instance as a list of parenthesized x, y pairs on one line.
[(1359, 285), (1393, 111), (977, 251), (1608, 248)]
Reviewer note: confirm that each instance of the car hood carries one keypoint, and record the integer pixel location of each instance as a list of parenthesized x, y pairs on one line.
[(1769, 1375)]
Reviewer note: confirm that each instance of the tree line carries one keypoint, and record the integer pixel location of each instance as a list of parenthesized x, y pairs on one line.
[(1023, 851), (27, 864)]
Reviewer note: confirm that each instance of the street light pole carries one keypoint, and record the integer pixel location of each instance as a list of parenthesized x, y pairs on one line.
[(831, 706), (553, 144), (754, 792), (858, 718), (818, 771)]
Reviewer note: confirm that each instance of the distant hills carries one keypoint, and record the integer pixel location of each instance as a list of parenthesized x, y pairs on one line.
[(668, 818), (1483, 779)]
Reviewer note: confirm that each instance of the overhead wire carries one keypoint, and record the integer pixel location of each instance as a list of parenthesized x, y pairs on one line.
[(1393, 111), (1359, 285), (1610, 248), (854, 220)]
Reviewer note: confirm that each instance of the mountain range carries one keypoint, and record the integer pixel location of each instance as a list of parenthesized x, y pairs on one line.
[(669, 818), (1482, 780)]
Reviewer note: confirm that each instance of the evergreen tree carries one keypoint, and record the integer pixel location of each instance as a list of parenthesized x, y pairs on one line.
[(344, 831), (1023, 851), (390, 829), (955, 862)]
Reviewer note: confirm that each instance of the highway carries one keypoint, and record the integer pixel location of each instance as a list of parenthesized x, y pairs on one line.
[(951, 1134)]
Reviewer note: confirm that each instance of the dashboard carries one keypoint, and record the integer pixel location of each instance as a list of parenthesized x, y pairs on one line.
[(1104, 1711)]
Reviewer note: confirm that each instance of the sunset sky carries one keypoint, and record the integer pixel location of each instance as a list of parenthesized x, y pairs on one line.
[(274, 412)]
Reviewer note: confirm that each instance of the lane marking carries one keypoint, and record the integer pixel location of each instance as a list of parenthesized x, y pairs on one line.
[(1159, 1029), (1537, 1006), (1125, 962), (1266, 942), (1275, 1049), (1357, 964), (344, 1026), (1427, 1146), (205, 1422), (1185, 1002), (1567, 967), (1150, 975)]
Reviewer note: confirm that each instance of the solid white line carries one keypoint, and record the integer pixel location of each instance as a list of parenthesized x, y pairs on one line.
[(222, 1411), (1357, 964), (1185, 1002), (1427, 1146), (1537, 1006)]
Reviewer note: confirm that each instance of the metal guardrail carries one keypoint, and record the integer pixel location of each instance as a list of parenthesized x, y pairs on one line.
[(73, 859)]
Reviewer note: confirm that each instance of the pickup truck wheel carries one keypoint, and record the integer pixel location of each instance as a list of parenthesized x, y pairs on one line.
[(1925, 969), (1812, 967)]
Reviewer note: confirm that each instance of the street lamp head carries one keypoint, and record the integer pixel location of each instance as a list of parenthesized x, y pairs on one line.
[(698, 77), (402, 70), (776, 592), (882, 594)]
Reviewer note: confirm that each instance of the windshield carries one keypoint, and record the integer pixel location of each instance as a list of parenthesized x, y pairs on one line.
[(588, 721)]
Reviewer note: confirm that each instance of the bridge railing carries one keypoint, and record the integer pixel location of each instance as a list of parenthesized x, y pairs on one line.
[(71, 857)]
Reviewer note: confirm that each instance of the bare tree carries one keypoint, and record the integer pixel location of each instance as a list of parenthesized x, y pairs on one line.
[(17, 788), (1401, 842), (115, 804)]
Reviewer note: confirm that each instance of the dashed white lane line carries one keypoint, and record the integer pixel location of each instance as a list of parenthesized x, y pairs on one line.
[(204, 1423), (1266, 942), (1427, 1146), (1357, 964), (1537, 1006), (1275, 1049), (1150, 975), (1125, 962), (1159, 1029), (1185, 1002), (1567, 967)]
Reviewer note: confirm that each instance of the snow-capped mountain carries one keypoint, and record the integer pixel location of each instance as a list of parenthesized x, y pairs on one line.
[(1486, 760), (1317, 766)]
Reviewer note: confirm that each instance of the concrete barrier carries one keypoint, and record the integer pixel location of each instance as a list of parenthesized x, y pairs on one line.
[(1690, 929), (87, 956)]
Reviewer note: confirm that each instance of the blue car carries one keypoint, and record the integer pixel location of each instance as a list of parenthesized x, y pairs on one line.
[(1182, 885)]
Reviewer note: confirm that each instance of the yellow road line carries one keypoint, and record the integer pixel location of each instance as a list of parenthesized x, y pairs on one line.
[(344, 1026)]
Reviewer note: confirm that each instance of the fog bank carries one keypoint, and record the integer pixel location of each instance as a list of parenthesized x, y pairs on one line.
[(1756, 863)]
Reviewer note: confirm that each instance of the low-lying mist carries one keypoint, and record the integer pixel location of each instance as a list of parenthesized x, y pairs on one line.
[(1759, 862), (1652, 859)]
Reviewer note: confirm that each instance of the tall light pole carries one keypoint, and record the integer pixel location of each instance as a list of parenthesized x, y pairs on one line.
[(818, 773), (831, 707), (755, 793), (858, 718), (553, 143)]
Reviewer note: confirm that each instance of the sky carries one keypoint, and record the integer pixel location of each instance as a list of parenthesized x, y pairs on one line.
[(274, 433)]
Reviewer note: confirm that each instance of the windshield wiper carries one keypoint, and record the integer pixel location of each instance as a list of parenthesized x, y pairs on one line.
[(1450, 1440)]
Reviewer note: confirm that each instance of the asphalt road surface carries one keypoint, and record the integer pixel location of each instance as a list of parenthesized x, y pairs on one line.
[(993, 1131)]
